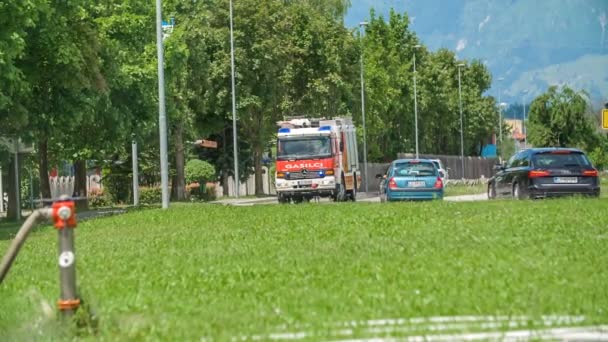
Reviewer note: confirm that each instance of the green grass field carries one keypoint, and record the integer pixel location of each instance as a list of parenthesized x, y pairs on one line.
[(458, 189), (216, 272)]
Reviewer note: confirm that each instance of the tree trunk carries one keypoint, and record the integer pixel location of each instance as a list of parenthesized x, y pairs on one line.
[(11, 210), (257, 157), (80, 185), (179, 181), (43, 163)]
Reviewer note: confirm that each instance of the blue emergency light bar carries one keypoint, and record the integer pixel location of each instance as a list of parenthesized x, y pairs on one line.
[(325, 128), (284, 130)]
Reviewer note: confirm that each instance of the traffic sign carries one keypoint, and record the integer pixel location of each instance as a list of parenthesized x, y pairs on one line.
[(15, 146), (605, 118), (206, 143)]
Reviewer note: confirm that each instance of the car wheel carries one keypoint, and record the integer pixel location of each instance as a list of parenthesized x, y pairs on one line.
[(340, 193), (517, 192), (491, 191)]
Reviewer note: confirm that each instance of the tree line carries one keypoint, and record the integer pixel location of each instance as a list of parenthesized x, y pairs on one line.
[(79, 80)]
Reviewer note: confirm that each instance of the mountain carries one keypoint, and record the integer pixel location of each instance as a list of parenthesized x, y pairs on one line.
[(531, 44)]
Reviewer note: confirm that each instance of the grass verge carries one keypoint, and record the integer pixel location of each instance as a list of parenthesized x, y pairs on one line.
[(216, 272), (461, 189)]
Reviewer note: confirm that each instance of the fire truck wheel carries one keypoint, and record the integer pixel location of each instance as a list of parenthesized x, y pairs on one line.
[(283, 199), (353, 192), (340, 194)]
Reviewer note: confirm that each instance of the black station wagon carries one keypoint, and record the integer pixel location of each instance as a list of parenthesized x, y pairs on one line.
[(545, 172)]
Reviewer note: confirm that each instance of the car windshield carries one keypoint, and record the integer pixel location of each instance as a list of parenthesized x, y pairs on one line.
[(437, 164), (560, 160), (303, 148), (415, 169)]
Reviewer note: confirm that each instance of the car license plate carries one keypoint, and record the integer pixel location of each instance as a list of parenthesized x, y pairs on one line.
[(305, 182), (416, 184), (565, 180)]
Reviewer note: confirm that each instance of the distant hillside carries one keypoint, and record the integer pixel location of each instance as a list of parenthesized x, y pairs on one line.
[(531, 43)]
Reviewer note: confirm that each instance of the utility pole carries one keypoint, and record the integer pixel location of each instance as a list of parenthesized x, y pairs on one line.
[(461, 121), (415, 102), (362, 25), (135, 172), (523, 123), (17, 182), (234, 130), (1, 193), (162, 115), (500, 111)]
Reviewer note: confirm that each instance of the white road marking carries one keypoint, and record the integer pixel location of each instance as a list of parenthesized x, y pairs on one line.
[(595, 333), (453, 328)]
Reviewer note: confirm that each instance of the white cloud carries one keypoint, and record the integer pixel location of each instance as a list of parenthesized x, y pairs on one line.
[(462, 44), (484, 22)]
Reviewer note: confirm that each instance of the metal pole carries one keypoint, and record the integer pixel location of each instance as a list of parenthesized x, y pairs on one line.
[(499, 114), (234, 130), (1, 193), (19, 239), (363, 112), (523, 124), (17, 182), (162, 116), (415, 105), (67, 268), (31, 190), (461, 124), (135, 173)]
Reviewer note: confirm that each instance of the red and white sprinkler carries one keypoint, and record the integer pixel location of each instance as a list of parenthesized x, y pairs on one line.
[(63, 215)]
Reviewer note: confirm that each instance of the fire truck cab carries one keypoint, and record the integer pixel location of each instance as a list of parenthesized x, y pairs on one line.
[(317, 158)]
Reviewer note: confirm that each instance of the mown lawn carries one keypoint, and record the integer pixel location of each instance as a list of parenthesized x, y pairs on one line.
[(216, 272), (460, 189)]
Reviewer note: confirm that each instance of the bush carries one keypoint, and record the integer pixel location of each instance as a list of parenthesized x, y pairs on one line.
[(99, 199), (206, 192), (150, 195), (117, 184), (199, 171), (209, 194), (599, 158)]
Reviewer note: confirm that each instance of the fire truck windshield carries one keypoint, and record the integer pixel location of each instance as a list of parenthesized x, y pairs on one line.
[(303, 148)]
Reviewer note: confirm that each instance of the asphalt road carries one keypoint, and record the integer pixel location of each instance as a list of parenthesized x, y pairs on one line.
[(361, 197)]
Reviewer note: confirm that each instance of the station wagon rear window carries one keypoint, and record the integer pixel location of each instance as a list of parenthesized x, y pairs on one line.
[(560, 160)]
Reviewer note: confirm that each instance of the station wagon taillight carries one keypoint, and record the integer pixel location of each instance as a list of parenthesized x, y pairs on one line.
[(590, 173), (438, 183), (538, 173), (392, 184)]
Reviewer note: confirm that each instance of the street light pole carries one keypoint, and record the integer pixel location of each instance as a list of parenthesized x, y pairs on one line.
[(461, 121), (234, 130), (162, 116), (361, 25), (415, 106), (523, 123), (500, 111)]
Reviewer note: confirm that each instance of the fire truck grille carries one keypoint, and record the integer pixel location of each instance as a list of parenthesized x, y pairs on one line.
[(300, 175)]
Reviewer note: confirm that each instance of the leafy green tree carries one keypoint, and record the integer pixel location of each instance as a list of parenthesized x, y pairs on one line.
[(199, 171), (16, 19), (388, 50), (558, 118)]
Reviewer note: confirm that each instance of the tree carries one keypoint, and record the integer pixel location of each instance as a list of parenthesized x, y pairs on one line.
[(558, 118)]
